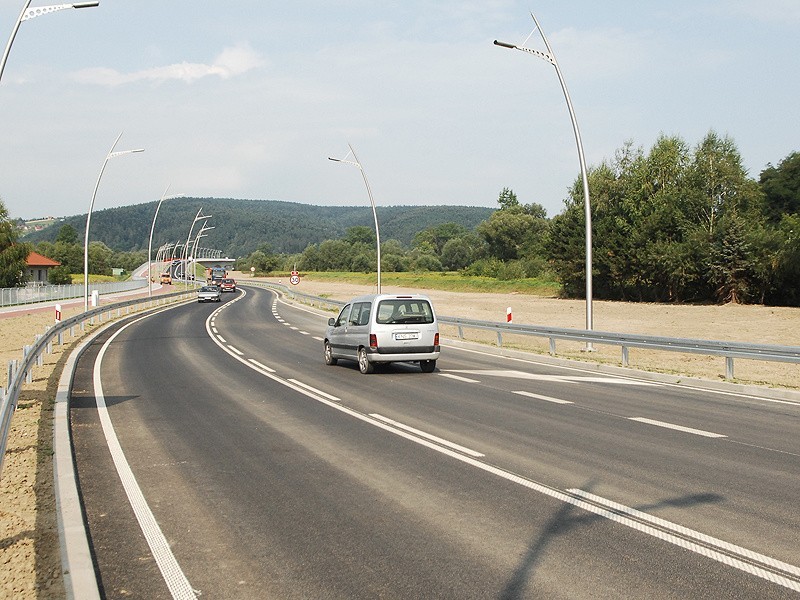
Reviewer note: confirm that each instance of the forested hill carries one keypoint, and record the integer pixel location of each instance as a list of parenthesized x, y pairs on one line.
[(241, 226)]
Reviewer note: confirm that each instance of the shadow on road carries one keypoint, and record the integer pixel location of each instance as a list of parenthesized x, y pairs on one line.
[(567, 518)]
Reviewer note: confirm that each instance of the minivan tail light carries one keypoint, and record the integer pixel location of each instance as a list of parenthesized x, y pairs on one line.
[(436, 339), (373, 341)]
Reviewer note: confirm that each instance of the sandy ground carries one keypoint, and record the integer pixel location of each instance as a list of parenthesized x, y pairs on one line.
[(30, 560), (30, 563), (731, 322)]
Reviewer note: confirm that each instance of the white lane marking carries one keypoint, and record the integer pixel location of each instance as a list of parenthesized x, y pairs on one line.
[(305, 333), (677, 427), (685, 531), (315, 390), (293, 328), (285, 323), (532, 485), (214, 329), (540, 397), (428, 436), (319, 339), (236, 350), (459, 378), (222, 339), (260, 366), (174, 576), (555, 378)]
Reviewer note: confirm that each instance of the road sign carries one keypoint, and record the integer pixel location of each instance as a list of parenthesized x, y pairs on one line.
[(295, 278)]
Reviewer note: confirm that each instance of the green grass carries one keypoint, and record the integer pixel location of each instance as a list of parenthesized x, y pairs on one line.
[(452, 282)]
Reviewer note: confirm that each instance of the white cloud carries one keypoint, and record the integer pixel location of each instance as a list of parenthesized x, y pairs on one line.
[(231, 62)]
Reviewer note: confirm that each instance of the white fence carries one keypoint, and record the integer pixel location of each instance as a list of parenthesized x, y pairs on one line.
[(49, 293)]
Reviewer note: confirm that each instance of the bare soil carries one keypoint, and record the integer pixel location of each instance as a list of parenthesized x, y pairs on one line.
[(30, 562)]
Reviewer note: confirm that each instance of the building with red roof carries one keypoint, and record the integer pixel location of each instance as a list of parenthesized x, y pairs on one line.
[(38, 267)]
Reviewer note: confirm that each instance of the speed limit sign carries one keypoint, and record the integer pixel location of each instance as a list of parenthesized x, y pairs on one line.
[(294, 279)]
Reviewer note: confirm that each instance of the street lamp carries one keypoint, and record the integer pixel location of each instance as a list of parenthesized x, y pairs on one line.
[(198, 217), (550, 57), (150, 243), (30, 13), (111, 154), (357, 164), (195, 247)]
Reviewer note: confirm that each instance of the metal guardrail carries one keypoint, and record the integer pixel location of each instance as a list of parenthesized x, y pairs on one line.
[(49, 293), (21, 372), (727, 350)]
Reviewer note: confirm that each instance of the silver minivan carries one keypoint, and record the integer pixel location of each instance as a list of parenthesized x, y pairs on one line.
[(384, 328)]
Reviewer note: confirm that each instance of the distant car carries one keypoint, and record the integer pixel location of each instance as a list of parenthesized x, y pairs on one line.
[(228, 285), (166, 278), (208, 293)]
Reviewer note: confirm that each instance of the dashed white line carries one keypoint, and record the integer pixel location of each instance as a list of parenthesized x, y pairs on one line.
[(236, 350), (459, 378), (677, 427), (541, 397), (222, 339)]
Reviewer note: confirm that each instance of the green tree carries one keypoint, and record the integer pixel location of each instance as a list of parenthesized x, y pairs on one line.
[(59, 276), (13, 255), (100, 257), (67, 234), (781, 187), (360, 234)]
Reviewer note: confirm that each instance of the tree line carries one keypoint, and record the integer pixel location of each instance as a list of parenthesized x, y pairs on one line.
[(672, 224)]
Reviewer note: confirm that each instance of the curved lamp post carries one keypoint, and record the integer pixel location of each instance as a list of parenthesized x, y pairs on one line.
[(550, 57), (30, 13), (111, 154), (198, 217), (150, 244), (195, 248), (357, 164)]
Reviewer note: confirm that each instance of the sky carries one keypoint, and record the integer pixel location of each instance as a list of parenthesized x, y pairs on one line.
[(249, 99)]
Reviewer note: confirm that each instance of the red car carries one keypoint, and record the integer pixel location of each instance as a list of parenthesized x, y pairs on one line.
[(228, 285)]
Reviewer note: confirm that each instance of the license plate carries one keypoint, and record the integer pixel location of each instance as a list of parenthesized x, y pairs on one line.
[(406, 336)]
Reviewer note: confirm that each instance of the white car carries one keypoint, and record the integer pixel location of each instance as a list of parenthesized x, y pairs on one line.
[(383, 329), (208, 293)]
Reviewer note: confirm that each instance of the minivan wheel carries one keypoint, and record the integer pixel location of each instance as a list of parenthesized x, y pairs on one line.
[(363, 364), (329, 360), (427, 366)]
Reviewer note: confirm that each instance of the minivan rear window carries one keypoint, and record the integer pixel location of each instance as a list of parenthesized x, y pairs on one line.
[(404, 310)]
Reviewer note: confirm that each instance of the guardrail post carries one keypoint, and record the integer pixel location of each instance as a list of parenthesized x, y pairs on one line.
[(12, 368), (460, 333), (499, 339), (624, 356), (728, 367), (553, 346)]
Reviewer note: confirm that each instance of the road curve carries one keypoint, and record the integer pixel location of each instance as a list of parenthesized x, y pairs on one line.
[(269, 474)]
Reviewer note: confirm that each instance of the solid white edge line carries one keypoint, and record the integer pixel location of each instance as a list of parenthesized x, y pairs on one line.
[(680, 529), (666, 425), (174, 577), (540, 397), (315, 390), (236, 350), (261, 366), (222, 339), (428, 436)]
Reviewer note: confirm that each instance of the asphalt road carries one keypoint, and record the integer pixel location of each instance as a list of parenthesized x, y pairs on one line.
[(246, 468)]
